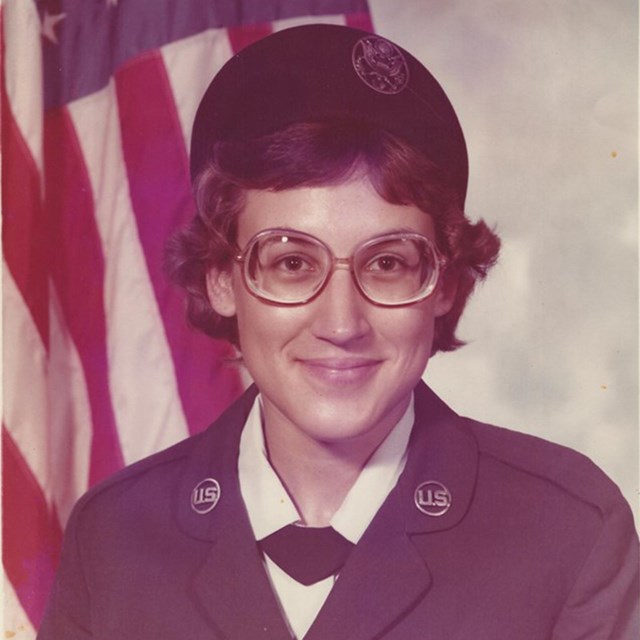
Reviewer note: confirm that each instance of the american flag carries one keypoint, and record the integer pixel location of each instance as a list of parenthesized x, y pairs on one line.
[(100, 369)]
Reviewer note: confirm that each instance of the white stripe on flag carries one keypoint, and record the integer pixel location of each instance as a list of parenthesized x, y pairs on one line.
[(23, 71), (190, 65), (142, 381), (70, 416), (25, 389)]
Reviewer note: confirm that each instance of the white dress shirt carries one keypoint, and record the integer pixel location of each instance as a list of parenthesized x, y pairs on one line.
[(270, 508)]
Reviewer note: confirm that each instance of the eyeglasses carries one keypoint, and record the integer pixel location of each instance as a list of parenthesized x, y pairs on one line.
[(289, 267)]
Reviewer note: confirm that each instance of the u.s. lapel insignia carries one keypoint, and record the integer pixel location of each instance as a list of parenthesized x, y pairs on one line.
[(432, 498), (205, 495)]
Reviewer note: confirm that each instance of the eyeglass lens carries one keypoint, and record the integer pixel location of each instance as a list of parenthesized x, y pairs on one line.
[(287, 268)]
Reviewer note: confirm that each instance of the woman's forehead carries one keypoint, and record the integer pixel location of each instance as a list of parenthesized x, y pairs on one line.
[(341, 215)]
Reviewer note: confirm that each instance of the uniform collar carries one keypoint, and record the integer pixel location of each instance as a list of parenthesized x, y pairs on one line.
[(269, 505), (441, 450)]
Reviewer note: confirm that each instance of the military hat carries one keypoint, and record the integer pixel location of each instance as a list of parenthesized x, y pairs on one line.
[(326, 72)]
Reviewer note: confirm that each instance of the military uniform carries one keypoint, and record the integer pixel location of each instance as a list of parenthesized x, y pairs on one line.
[(488, 534)]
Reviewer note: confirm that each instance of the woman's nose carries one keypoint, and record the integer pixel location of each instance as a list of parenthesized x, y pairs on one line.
[(340, 313)]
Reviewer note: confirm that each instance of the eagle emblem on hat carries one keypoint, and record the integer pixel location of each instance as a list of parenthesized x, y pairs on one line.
[(380, 65)]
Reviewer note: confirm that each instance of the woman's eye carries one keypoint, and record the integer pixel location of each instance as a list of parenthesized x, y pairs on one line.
[(293, 264), (385, 263)]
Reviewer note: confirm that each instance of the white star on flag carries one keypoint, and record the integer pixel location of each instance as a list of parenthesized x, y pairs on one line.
[(49, 23)]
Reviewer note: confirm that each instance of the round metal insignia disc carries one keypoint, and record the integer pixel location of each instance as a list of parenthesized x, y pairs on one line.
[(380, 65), (432, 498), (205, 495)]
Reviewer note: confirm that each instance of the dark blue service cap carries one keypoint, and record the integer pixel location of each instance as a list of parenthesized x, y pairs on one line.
[(326, 72)]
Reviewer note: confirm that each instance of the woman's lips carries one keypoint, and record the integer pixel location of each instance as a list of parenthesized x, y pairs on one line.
[(341, 371)]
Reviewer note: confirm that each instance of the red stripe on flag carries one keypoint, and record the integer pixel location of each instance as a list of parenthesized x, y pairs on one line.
[(31, 534), (159, 185), (243, 36), (78, 269), (359, 21), (23, 224)]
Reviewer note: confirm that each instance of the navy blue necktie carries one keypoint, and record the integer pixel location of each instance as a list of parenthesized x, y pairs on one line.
[(307, 554)]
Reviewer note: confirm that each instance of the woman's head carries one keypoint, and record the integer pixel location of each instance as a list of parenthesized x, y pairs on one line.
[(320, 154)]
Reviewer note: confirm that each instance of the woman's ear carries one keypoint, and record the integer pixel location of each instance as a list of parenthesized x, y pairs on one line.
[(445, 294), (220, 292)]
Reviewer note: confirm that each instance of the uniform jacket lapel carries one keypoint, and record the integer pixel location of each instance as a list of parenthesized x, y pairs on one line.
[(386, 575), (231, 587)]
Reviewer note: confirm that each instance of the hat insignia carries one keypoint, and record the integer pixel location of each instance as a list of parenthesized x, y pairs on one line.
[(380, 65)]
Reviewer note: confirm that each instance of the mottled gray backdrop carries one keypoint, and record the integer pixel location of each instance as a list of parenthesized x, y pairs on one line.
[(547, 95)]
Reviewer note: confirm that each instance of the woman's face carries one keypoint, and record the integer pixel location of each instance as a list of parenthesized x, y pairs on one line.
[(339, 369)]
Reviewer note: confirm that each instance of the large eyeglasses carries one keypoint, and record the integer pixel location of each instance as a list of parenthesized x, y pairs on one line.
[(291, 267)]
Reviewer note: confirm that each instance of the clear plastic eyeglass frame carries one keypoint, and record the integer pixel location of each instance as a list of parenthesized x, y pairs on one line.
[(331, 263)]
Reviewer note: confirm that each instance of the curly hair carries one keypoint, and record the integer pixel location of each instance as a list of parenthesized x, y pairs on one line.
[(322, 154)]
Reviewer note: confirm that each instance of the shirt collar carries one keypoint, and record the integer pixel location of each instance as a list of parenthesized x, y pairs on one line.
[(269, 505)]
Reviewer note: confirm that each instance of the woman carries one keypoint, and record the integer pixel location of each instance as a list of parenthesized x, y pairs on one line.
[(339, 497)]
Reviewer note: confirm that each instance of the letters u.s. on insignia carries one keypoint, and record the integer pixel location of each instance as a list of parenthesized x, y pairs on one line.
[(205, 495), (432, 498)]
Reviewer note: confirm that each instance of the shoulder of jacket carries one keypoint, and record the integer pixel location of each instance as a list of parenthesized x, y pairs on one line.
[(561, 467), (162, 469), (156, 468)]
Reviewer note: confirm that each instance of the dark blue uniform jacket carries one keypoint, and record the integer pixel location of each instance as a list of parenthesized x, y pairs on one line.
[(535, 543)]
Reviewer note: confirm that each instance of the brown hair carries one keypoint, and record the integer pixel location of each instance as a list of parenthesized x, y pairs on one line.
[(317, 154)]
